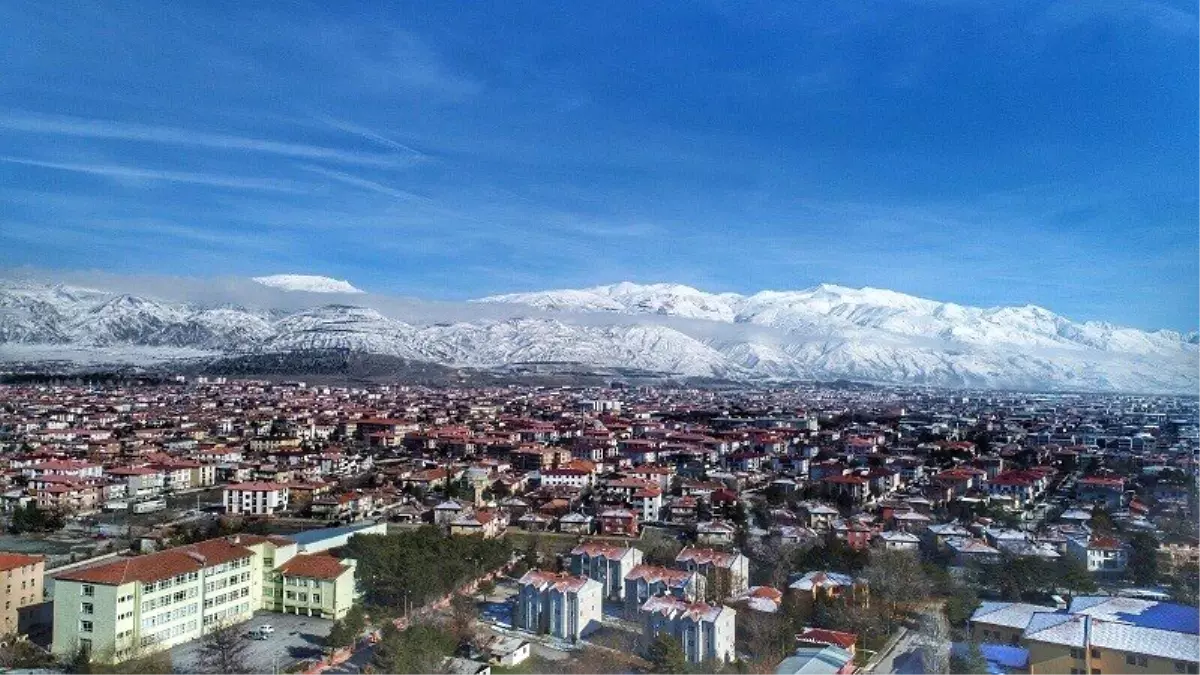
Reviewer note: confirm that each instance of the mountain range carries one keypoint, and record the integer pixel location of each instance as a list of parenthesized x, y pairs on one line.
[(822, 333)]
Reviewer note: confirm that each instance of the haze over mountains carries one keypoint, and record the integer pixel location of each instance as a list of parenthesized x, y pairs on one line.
[(826, 332)]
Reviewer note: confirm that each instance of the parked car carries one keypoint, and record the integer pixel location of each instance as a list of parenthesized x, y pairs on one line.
[(266, 629)]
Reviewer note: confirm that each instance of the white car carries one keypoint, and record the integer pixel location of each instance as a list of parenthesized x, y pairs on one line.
[(266, 629)]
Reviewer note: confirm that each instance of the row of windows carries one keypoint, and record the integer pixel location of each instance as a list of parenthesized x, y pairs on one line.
[(302, 583), (168, 583), (226, 582), (220, 616), (168, 617), (225, 567), (168, 633), (303, 597), (1139, 660), (163, 601), (225, 597)]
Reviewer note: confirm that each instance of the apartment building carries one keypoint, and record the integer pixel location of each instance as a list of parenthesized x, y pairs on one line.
[(705, 631), (646, 581), (727, 572), (607, 564), (156, 601), (22, 586), (562, 605), (313, 585), (255, 498)]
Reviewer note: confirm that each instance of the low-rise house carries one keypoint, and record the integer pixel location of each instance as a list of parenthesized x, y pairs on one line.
[(619, 523), (967, 550), (486, 523), (506, 652), (817, 659), (704, 631), (716, 533), (828, 586), (1102, 555), (895, 540), (575, 523), (562, 605), (759, 598)]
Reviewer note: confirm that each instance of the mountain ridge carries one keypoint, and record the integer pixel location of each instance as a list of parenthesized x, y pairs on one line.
[(826, 332)]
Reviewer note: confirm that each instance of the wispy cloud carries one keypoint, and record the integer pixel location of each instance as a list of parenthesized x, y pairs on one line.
[(117, 171), (366, 184), (104, 129), (370, 135)]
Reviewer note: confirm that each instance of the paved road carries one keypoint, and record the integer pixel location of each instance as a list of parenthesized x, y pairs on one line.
[(916, 646)]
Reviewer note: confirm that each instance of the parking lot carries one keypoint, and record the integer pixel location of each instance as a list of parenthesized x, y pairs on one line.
[(295, 638)]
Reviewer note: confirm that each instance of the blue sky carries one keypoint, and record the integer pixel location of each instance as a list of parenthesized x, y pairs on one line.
[(974, 151)]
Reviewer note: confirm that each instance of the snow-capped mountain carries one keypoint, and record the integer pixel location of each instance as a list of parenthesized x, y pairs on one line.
[(826, 332), (307, 283)]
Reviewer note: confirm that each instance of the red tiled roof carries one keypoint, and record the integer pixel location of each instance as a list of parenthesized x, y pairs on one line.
[(164, 564), (319, 566), (258, 486), (828, 637), (12, 561)]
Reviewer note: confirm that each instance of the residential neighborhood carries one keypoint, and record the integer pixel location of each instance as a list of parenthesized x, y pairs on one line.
[(622, 529)]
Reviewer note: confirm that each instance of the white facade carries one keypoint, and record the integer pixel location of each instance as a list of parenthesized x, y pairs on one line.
[(564, 606), (255, 499), (704, 631)]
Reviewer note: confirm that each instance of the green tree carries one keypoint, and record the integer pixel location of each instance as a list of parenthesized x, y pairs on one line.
[(1143, 559), (666, 655), (1073, 576), (968, 662), (422, 648), (339, 636), (17, 652)]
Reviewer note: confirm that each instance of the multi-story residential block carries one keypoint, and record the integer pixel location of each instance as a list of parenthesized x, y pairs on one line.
[(22, 587), (255, 499), (606, 563), (727, 573), (646, 581), (313, 585), (155, 601), (141, 482), (704, 631), (565, 606)]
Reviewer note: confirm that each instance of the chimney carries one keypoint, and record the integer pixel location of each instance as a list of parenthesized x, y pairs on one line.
[(235, 539)]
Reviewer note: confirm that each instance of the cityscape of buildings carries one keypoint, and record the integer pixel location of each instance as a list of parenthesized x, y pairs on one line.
[(668, 511)]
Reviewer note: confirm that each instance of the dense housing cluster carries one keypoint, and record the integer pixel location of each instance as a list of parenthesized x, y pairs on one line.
[(687, 513)]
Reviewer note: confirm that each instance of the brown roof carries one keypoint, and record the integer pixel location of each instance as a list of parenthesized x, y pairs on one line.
[(12, 561), (169, 563), (319, 566)]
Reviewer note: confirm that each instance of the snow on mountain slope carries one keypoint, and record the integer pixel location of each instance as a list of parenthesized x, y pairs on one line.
[(307, 283), (665, 299), (826, 332), (831, 309)]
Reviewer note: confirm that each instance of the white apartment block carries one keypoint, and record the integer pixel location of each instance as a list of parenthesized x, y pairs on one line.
[(255, 499), (118, 608), (706, 632), (607, 564), (564, 606)]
